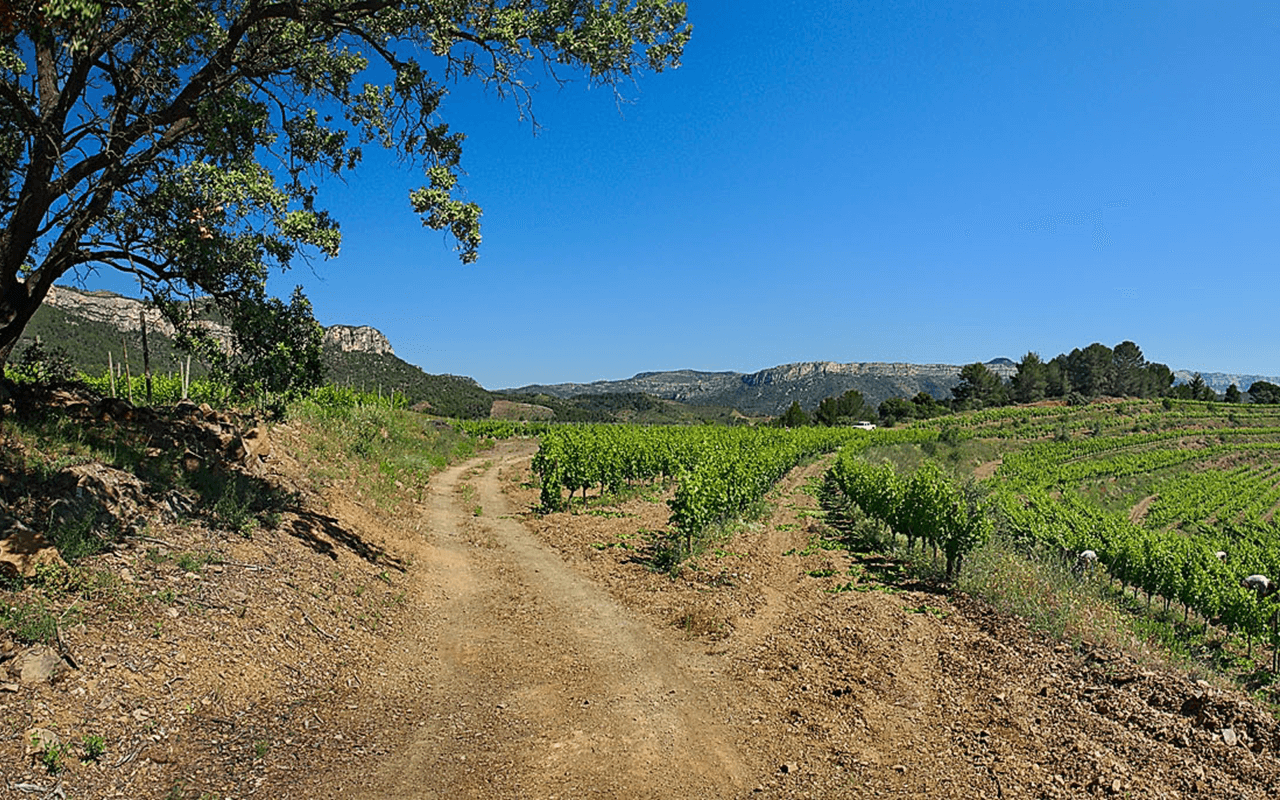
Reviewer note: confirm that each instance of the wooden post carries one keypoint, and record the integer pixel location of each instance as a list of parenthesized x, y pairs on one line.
[(128, 379), (111, 373), (1275, 644), (146, 353)]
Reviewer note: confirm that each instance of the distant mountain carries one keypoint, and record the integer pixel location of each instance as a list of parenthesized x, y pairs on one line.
[(1219, 381), (771, 391)]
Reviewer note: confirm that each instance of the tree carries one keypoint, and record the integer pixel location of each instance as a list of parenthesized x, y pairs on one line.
[(184, 143), (1233, 395), (1031, 382), (896, 409), (1091, 370), (827, 412), (1195, 389), (979, 387), (848, 407), (793, 417), (1264, 392), (1057, 381), (1128, 370), (927, 406)]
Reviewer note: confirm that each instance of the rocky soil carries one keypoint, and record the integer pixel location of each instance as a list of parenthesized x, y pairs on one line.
[(468, 647)]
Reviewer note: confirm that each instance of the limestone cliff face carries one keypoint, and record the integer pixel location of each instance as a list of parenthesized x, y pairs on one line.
[(118, 311), (360, 339), (770, 391), (125, 313), (810, 370)]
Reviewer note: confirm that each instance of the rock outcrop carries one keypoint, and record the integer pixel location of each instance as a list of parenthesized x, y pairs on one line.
[(118, 311), (126, 313), (359, 339)]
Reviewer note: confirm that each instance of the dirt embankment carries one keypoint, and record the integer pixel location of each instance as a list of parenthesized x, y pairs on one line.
[(529, 656)]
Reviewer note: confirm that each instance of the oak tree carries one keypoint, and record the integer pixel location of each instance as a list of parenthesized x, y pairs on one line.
[(184, 141)]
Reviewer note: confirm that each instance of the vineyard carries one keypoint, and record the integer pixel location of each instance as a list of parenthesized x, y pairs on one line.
[(1177, 498)]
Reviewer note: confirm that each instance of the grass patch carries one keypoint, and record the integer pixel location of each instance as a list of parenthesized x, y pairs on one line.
[(29, 620), (389, 452), (1045, 593)]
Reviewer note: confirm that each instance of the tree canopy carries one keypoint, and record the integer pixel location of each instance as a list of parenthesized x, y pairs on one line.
[(1264, 392), (184, 143), (979, 387)]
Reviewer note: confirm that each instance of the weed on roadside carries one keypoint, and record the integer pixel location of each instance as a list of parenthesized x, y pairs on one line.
[(93, 746)]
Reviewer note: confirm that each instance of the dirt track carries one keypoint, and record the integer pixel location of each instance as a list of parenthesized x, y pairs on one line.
[(541, 685)]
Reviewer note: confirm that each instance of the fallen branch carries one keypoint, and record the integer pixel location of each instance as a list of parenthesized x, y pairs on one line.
[(251, 567), (130, 757), (319, 630)]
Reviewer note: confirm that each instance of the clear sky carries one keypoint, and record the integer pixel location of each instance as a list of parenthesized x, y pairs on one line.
[(873, 181)]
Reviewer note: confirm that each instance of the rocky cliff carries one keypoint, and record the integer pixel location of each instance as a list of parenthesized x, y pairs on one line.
[(118, 311), (126, 313), (357, 339), (1219, 381)]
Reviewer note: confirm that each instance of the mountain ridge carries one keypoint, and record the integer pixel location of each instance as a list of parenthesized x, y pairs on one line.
[(770, 391), (362, 355)]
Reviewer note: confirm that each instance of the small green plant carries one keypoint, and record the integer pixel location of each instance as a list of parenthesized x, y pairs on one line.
[(44, 364), (75, 537), (261, 747), (194, 562), (233, 512), (927, 609), (93, 746), (52, 754)]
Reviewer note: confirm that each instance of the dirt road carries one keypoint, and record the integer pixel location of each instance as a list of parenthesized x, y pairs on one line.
[(534, 682)]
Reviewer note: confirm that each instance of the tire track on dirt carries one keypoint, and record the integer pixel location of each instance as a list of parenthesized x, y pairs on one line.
[(540, 684)]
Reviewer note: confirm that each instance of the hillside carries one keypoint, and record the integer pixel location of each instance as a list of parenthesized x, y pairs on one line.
[(89, 326), (93, 327)]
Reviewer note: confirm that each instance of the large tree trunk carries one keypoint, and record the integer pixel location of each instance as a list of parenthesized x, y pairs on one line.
[(18, 302)]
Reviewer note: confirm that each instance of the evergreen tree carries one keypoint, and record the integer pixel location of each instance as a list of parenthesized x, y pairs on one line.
[(1264, 392), (794, 417), (979, 387), (1031, 382)]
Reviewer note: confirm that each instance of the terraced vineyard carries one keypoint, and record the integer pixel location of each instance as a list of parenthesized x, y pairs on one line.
[(1156, 488)]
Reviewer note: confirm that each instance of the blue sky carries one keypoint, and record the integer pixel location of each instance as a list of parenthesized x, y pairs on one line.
[(878, 181)]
